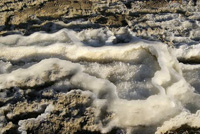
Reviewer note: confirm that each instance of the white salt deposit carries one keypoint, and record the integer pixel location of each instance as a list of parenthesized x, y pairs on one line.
[(45, 71), (182, 119), (188, 52), (140, 82), (4, 66)]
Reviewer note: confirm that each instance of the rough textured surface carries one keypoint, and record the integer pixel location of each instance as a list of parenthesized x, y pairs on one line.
[(41, 110), (51, 113), (184, 130), (171, 22)]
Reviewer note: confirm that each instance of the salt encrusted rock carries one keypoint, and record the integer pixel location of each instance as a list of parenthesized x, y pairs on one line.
[(67, 113), (40, 110), (153, 20), (46, 110)]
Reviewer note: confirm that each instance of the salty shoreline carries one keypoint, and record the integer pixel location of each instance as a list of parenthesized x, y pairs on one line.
[(96, 67)]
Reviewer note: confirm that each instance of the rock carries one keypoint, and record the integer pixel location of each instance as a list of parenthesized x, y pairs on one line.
[(29, 104), (185, 129), (70, 112), (148, 19)]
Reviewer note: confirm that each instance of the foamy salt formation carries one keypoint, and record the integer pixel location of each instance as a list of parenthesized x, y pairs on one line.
[(180, 120), (140, 83), (188, 52), (45, 71)]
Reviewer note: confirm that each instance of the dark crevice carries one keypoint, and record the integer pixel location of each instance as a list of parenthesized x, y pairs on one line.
[(7, 23), (87, 132), (11, 101), (13, 130), (190, 61), (25, 116), (8, 10), (184, 129), (128, 4)]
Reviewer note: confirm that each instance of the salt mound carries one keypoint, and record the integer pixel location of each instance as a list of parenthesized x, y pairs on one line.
[(137, 84)]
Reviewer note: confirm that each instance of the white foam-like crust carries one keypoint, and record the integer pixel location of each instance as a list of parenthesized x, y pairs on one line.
[(174, 92), (5, 67), (48, 70), (188, 52), (185, 118), (22, 123)]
